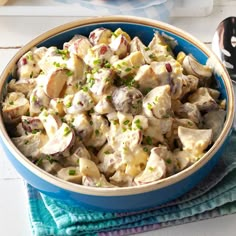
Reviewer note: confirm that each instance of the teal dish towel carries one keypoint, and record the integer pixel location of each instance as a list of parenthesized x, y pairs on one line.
[(214, 196)]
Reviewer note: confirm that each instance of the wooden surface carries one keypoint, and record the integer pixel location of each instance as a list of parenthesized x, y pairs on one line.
[(14, 33)]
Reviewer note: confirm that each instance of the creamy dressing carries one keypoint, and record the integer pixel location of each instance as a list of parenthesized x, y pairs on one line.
[(107, 110)]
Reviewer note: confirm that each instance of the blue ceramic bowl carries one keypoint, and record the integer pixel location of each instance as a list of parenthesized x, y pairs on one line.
[(127, 198)]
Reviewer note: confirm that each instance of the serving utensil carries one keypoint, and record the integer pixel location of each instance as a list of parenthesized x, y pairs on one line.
[(224, 45)]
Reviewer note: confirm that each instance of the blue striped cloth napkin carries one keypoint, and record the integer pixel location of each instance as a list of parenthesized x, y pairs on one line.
[(155, 9), (214, 196)]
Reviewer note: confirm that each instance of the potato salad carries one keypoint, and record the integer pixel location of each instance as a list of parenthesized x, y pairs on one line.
[(106, 110)]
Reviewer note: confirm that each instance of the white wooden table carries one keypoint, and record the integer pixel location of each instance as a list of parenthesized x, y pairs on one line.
[(15, 32)]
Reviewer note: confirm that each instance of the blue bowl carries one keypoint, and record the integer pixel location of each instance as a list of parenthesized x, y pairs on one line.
[(127, 198)]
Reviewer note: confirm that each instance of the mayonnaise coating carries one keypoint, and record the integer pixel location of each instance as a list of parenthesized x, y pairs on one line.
[(108, 111)]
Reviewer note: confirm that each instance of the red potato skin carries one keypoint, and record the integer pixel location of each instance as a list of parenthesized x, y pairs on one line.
[(56, 82)]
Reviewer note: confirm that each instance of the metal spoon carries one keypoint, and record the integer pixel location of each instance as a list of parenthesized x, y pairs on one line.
[(224, 45)]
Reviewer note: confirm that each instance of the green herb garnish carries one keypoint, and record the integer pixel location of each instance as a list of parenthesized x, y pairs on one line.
[(69, 73), (67, 130), (63, 53), (69, 104), (31, 74), (149, 106), (34, 98), (128, 69), (71, 172), (150, 168), (126, 122), (34, 131), (97, 61), (149, 140)]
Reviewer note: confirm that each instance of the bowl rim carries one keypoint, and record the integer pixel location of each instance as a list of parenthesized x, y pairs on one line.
[(122, 191)]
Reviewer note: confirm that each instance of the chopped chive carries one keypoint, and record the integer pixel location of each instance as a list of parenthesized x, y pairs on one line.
[(34, 99), (98, 184), (85, 89), (150, 168), (90, 82), (91, 111), (31, 74), (168, 48), (135, 67), (67, 130), (57, 64), (91, 122), (29, 57), (149, 140), (147, 90), (147, 48), (145, 149), (168, 161), (76, 85), (106, 79), (11, 103), (149, 106), (26, 121), (69, 73), (152, 56), (109, 97), (107, 152), (49, 158), (39, 161), (96, 132), (126, 122), (97, 61), (69, 104), (114, 34), (34, 131), (63, 53), (124, 129), (107, 65), (128, 69), (94, 70), (71, 172)]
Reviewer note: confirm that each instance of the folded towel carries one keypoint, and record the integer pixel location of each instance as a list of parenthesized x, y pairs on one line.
[(155, 9), (214, 196)]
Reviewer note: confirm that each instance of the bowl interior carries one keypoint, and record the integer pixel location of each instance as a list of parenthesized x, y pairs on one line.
[(145, 32)]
